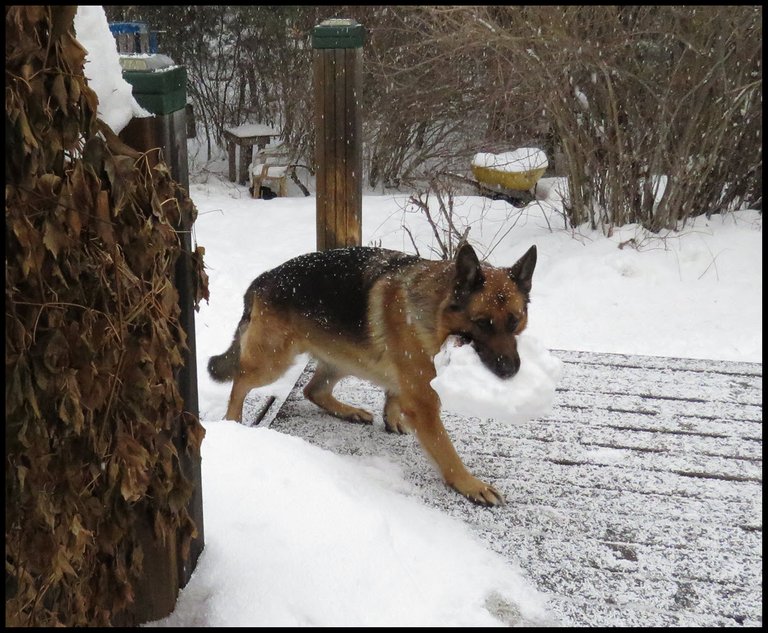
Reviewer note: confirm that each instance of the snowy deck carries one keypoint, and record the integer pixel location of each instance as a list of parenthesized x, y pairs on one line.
[(637, 502)]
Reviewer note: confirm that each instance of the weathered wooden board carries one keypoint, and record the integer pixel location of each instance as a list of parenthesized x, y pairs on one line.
[(338, 140), (636, 502)]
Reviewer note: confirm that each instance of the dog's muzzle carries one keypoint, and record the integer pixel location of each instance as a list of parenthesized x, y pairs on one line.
[(501, 365), (506, 366)]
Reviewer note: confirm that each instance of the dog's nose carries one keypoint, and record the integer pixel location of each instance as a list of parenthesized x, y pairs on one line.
[(507, 366)]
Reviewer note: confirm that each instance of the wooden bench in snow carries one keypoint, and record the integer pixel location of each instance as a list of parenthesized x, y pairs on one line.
[(636, 502), (245, 137)]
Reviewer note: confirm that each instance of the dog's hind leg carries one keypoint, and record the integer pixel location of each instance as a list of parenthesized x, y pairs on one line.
[(242, 384), (266, 352), (248, 379), (320, 391)]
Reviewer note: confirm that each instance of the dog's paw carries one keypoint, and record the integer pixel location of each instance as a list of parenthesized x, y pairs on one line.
[(479, 492), (358, 416), (397, 425), (395, 420)]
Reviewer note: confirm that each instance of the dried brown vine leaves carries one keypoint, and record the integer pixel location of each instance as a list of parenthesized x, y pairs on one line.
[(93, 342)]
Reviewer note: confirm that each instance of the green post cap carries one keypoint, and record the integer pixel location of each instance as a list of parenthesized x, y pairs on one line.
[(160, 91), (338, 33)]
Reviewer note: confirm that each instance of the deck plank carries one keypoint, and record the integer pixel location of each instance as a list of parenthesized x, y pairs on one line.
[(636, 502)]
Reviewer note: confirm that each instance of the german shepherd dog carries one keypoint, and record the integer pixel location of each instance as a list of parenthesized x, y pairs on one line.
[(380, 315)]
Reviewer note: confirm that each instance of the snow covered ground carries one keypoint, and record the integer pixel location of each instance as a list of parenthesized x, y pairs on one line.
[(300, 536), (296, 535)]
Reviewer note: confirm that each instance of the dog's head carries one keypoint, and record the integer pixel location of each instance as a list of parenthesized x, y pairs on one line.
[(489, 306)]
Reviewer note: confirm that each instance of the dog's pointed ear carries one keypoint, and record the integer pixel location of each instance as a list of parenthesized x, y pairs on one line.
[(522, 271), (469, 276)]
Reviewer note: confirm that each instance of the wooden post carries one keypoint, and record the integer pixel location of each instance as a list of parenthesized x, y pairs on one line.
[(231, 149), (246, 155), (338, 79), (165, 568)]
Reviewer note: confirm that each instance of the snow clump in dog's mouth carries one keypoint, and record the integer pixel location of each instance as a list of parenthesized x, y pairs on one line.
[(467, 387)]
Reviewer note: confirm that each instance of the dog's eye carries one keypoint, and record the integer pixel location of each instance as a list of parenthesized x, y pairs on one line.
[(484, 325), (512, 322)]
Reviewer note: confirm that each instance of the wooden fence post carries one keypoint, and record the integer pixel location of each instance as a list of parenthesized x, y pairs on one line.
[(167, 131), (338, 82)]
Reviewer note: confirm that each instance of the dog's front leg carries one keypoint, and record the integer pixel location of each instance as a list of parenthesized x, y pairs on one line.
[(422, 409), (394, 419)]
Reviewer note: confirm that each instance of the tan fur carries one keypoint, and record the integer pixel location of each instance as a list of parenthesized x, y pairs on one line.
[(409, 317)]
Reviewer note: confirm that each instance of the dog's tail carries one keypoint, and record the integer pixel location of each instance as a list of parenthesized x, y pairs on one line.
[(224, 367)]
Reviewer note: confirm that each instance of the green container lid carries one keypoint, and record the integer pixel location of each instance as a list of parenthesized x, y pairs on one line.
[(159, 91), (167, 103), (338, 33), (157, 82)]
